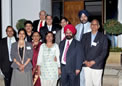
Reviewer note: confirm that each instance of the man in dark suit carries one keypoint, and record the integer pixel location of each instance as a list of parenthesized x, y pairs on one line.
[(37, 24), (5, 54), (48, 27), (95, 46), (71, 57)]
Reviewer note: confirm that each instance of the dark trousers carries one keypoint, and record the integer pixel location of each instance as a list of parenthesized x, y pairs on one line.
[(8, 77), (69, 78), (7, 73)]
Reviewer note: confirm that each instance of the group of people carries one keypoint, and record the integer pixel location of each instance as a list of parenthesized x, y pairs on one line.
[(43, 52)]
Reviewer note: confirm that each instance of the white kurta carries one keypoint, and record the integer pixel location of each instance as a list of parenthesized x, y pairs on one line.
[(48, 66)]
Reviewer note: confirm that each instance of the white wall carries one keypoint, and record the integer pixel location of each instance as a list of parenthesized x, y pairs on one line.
[(47, 6), (6, 15), (120, 19), (120, 10), (28, 9)]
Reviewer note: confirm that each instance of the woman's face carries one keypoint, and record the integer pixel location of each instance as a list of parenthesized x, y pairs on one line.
[(49, 37), (36, 37), (21, 35)]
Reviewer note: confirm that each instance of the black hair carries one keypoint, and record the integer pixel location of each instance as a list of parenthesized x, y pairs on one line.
[(65, 20), (53, 41), (36, 32), (9, 27), (28, 22), (22, 29), (50, 16)]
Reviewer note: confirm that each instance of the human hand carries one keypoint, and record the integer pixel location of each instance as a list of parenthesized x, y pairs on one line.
[(77, 72), (38, 71), (59, 71), (21, 67), (55, 59), (91, 63)]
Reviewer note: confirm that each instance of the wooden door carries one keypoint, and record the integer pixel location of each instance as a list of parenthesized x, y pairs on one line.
[(71, 10)]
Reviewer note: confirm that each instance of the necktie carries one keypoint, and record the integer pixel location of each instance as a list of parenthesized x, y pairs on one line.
[(10, 49), (65, 53), (40, 25), (82, 32)]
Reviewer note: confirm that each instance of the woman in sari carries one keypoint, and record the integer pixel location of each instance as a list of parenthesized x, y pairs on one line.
[(36, 45)]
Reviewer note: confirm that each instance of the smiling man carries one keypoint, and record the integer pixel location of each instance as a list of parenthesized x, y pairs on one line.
[(95, 47), (71, 57)]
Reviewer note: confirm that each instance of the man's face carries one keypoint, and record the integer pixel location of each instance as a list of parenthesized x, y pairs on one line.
[(28, 28), (68, 34), (83, 18), (95, 25), (42, 15), (49, 20), (63, 22), (10, 32)]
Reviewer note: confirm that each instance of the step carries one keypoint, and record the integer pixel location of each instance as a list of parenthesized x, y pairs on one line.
[(112, 76)]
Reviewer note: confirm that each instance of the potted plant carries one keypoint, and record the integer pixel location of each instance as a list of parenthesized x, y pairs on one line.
[(113, 28), (20, 23)]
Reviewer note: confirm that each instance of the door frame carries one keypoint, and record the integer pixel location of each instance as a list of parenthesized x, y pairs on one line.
[(0, 19)]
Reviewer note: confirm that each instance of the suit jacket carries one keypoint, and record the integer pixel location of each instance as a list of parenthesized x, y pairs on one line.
[(96, 52), (28, 54), (74, 57), (58, 37), (44, 30), (5, 63), (35, 25)]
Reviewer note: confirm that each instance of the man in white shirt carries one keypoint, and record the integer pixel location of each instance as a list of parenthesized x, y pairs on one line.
[(71, 57), (48, 27), (84, 25), (6, 54), (82, 28), (60, 34), (38, 24)]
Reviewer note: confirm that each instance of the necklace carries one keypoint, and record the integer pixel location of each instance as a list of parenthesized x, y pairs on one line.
[(21, 59)]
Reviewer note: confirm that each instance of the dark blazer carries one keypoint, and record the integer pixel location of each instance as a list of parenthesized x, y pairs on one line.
[(4, 61), (97, 53), (74, 55), (44, 30), (35, 25), (28, 54), (5, 64)]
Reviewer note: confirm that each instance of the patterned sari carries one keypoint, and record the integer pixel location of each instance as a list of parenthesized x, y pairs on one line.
[(36, 79)]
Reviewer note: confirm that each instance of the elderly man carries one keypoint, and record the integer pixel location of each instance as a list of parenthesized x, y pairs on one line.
[(37, 24), (71, 57), (95, 46)]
